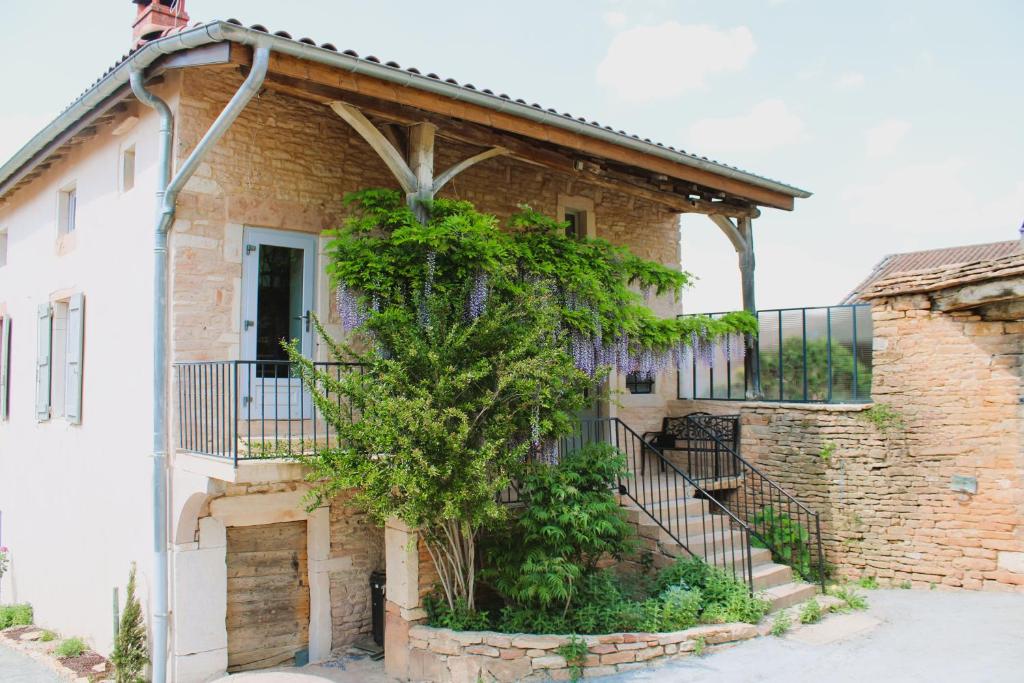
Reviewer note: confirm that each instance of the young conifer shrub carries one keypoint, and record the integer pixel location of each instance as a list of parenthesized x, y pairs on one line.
[(130, 655)]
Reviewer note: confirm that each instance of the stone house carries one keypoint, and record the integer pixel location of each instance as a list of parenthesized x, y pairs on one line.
[(124, 443), (923, 485)]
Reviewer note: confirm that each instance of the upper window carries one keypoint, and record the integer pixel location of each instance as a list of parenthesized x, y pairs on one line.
[(578, 215), (3, 248), (577, 223), (128, 169), (67, 210)]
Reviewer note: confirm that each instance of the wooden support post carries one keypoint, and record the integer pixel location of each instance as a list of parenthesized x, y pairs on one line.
[(421, 161), (741, 233), (751, 360)]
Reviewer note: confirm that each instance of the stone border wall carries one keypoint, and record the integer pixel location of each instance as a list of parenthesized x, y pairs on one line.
[(444, 655)]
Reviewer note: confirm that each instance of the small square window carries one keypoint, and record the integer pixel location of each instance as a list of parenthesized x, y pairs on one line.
[(3, 248), (638, 384), (67, 210), (128, 169), (577, 224)]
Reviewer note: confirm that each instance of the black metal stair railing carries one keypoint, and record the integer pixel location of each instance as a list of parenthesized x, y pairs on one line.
[(689, 515), (776, 519)]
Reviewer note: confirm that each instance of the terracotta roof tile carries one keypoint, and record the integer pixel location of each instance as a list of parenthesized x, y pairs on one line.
[(943, 277), (929, 259), (468, 86)]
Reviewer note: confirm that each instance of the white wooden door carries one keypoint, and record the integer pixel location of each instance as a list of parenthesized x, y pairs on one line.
[(278, 282)]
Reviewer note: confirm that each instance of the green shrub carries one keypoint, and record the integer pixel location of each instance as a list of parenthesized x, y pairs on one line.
[(689, 572), (461, 618), (789, 541), (571, 519), (869, 582), (906, 585), (699, 645), (48, 636), (72, 647), (724, 597), (680, 608), (810, 613), (575, 653), (885, 418), (15, 615), (851, 597), (130, 655), (781, 624)]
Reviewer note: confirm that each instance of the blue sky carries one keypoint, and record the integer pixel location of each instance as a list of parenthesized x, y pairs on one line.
[(903, 117)]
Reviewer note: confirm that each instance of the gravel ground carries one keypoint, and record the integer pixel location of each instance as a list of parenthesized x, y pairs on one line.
[(16, 667), (905, 636)]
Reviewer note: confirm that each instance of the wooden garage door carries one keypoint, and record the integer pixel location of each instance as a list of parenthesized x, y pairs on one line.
[(268, 595)]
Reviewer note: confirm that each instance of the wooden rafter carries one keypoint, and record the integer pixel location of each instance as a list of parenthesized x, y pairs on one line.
[(531, 152), (282, 65)]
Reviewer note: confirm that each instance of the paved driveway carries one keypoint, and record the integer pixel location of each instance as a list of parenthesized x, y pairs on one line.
[(905, 636), (16, 667)]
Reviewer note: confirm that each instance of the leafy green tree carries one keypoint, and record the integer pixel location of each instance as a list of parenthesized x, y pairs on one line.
[(477, 346), (130, 655), (817, 370)]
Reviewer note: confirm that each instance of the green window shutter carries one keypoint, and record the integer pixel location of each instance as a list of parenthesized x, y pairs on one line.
[(5, 367), (44, 327), (73, 364)]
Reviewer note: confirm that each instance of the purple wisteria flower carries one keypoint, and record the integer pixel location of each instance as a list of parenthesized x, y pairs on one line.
[(478, 295)]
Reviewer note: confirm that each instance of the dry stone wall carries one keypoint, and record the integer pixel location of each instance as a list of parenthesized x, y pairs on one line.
[(886, 495), (445, 656)]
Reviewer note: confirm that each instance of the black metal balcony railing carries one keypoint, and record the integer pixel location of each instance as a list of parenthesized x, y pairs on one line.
[(806, 355), (248, 409)]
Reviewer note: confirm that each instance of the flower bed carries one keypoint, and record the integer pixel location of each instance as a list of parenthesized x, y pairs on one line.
[(440, 654)]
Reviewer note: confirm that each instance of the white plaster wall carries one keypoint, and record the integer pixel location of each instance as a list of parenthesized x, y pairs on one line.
[(76, 499)]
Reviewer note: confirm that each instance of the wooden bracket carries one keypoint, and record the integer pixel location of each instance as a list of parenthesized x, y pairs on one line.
[(391, 157)]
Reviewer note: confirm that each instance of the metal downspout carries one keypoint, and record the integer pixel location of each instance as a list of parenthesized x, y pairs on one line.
[(166, 200)]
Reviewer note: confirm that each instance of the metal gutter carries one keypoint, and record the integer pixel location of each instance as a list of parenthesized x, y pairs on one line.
[(166, 200), (217, 31)]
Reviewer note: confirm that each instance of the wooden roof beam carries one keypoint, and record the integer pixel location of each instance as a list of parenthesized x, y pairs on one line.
[(293, 67)]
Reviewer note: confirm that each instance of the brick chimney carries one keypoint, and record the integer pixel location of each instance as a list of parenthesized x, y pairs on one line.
[(153, 17)]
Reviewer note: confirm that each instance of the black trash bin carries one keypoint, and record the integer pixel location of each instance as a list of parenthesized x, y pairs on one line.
[(378, 583)]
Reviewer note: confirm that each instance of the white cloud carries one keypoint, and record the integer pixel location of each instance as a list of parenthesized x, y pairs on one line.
[(851, 80), (917, 206), (614, 19), (881, 140), (769, 125), (649, 63)]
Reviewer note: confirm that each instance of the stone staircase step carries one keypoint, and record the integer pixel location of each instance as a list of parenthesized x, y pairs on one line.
[(688, 507), (789, 594), (716, 537), (770, 575)]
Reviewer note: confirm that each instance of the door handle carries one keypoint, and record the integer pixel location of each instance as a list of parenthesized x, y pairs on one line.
[(305, 318)]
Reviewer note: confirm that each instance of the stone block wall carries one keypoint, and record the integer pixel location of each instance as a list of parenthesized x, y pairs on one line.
[(357, 547), (444, 656), (886, 498), (287, 164)]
